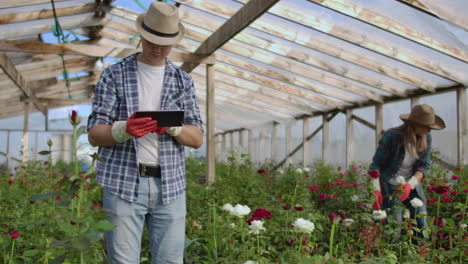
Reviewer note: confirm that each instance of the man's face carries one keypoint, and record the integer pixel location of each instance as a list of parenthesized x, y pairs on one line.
[(154, 51)]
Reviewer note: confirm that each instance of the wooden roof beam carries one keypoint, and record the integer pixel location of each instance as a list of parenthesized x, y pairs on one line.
[(23, 16), (241, 19), (17, 3), (244, 44), (19, 80), (362, 13), (283, 32), (357, 38), (92, 50)]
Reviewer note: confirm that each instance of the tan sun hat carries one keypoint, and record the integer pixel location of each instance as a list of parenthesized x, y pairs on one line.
[(423, 114), (160, 24)]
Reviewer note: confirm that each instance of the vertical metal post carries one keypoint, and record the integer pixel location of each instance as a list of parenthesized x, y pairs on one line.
[(210, 135)]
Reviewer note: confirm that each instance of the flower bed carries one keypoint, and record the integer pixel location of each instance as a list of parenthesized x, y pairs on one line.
[(297, 215)]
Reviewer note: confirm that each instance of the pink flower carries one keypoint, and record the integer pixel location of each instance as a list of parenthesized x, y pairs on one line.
[(323, 196), (431, 201), (356, 185), (313, 188), (286, 206), (334, 217), (261, 171), (361, 204), (335, 196), (465, 191), (458, 169), (374, 173), (455, 177), (58, 198), (14, 235)]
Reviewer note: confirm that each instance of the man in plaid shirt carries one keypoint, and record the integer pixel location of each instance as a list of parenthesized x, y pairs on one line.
[(143, 168)]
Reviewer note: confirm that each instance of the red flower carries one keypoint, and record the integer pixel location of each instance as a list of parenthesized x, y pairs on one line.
[(14, 235), (361, 204), (72, 223), (323, 196), (313, 188), (334, 217), (446, 199), (58, 198), (441, 189), (462, 215), (286, 206), (32, 202), (74, 118), (342, 215), (465, 191), (46, 162), (356, 185), (455, 177), (374, 173), (261, 171), (10, 182), (299, 208), (431, 201), (458, 169), (262, 213), (290, 241), (335, 196)]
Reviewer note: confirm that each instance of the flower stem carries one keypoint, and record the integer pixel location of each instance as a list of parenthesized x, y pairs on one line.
[(332, 234), (258, 245), (11, 252)]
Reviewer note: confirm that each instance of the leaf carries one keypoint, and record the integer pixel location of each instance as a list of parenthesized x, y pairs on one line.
[(30, 253), (43, 196), (45, 152), (104, 225), (95, 156), (81, 130)]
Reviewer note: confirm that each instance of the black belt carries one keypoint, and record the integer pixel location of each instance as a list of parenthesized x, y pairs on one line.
[(149, 171)]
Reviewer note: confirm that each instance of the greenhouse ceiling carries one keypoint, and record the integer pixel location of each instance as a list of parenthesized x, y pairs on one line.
[(273, 60)]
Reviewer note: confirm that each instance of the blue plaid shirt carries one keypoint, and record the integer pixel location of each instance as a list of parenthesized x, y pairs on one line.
[(116, 98)]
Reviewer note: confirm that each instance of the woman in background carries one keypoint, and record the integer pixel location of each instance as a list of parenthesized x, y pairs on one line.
[(401, 161)]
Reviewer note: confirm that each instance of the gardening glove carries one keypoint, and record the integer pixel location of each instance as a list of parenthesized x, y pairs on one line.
[(174, 131), (413, 182), (133, 127), (378, 200), (160, 130), (405, 189)]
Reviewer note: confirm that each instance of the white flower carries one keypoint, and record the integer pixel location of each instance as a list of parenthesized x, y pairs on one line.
[(306, 169), (256, 226), (348, 221), (280, 171), (379, 214), (400, 180), (303, 226), (228, 207), (299, 170), (232, 225), (406, 214), (240, 210), (251, 262), (290, 162), (416, 202), (355, 198), (462, 225)]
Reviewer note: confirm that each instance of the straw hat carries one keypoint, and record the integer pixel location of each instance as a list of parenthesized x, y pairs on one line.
[(423, 114), (160, 24)]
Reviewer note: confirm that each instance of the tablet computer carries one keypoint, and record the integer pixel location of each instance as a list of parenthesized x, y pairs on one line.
[(165, 118)]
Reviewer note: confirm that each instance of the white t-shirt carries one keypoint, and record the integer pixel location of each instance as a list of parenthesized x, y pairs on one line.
[(406, 168), (150, 84)]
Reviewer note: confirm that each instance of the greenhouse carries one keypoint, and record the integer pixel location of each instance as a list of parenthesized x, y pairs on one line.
[(297, 99)]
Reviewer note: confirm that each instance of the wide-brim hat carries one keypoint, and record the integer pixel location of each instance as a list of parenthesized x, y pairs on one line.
[(160, 24), (424, 115)]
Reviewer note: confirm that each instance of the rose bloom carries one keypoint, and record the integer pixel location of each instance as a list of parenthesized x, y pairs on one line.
[(303, 226), (374, 173), (334, 217), (228, 207), (250, 262), (441, 189), (379, 214), (455, 177), (299, 170), (299, 208), (348, 222), (261, 213), (14, 235), (256, 226), (313, 188), (261, 171), (286, 206), (416, 202), (240, 210)]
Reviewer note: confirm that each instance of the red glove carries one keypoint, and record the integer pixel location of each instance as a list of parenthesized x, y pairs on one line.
[(378, 200), (405, 189), (139, 127), (160, 130)]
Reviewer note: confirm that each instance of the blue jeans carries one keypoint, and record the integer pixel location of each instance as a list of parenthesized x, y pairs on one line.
[(396, 209), (165, 224)]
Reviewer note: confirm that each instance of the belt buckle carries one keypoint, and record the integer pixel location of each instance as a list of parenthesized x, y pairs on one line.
[(144, 168)]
